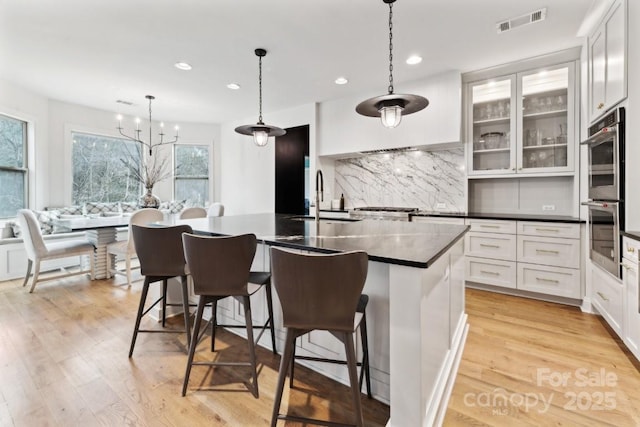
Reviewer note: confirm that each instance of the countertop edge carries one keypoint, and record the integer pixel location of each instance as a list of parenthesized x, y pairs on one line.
[(506, 217)]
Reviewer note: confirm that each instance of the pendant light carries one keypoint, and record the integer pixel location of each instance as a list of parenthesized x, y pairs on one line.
[(391, 107), (260, 131)]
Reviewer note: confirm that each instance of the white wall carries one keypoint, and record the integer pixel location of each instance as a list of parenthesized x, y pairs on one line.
[(341, 130), (247, 172)]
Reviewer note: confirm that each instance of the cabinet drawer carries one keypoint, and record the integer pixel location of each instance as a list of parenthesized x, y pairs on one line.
[(490, 272), (491, 226), (493, 246), (607, 297), (564, 282), (547, 229), (630, 248), (549, 251)]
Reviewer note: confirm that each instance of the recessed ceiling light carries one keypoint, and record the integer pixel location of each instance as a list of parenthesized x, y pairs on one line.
[(414, 59), (234, 86), (183, 66), (342, 81)]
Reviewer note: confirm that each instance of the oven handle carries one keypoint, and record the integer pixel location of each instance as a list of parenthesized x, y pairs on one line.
[(598, 204), (601, 136)]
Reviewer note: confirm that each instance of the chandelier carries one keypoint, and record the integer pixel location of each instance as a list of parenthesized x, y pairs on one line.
[(260, 131), (391, 107), (138, 131)]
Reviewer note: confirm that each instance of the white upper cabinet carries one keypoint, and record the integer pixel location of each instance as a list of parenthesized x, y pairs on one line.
[(608, 61), (522, 123)]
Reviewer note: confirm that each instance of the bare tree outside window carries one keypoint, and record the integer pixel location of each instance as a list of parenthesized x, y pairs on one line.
[(13, 171), (192, 173), (100, 173)]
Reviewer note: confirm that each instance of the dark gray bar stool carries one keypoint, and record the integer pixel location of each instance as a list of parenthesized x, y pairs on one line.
[(161, 258), (360, 321), (220, 267), (318, 292)]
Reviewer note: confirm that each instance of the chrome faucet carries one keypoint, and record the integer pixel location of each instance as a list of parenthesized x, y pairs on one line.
[(319, 192)]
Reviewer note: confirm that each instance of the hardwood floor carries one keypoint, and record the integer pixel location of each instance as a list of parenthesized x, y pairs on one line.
[(63, 361), (532, 363)]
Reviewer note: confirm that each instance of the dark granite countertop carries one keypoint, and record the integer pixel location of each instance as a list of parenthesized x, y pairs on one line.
[(631, 234), (513, 217), (335, 210), (394, 242)]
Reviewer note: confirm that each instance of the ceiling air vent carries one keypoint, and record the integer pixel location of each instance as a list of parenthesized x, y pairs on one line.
[(121, 101), (529, 18)]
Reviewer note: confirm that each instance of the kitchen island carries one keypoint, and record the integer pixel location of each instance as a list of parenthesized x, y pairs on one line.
[(416, 320)]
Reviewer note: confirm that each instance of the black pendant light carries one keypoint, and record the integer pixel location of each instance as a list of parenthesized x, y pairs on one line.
[(260, 131), (391, 107)]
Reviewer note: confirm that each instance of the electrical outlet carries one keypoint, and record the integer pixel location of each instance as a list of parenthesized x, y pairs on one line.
[(441, 205), (548, 207)]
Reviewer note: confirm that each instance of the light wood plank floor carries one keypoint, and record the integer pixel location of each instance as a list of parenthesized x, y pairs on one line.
[(533, 363), (63, 361)]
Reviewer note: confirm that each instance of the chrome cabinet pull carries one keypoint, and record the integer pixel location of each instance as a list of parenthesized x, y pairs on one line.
[(553, 230), (631, 249), (493, 273), (489, 226), (547, 251), (602, 296), (542, 279), (484, 245)]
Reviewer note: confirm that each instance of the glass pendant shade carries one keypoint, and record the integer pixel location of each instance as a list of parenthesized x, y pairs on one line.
[(391, 116), (260, 137)]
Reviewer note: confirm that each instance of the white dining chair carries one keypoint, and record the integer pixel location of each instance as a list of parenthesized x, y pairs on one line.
[(125, 248), (216, 209), (193, 212), (38, 250)]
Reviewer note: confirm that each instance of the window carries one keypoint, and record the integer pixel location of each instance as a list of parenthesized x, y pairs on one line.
[(192, 173), (100, 171), (13, 170)]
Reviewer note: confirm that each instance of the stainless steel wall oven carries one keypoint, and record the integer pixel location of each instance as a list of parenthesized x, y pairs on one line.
[(605, 146)]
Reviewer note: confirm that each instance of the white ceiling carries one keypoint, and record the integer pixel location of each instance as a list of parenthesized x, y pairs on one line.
[(93, 52)]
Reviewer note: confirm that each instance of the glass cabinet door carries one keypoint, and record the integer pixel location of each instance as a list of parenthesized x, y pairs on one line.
[(545, 119), (492, 121)]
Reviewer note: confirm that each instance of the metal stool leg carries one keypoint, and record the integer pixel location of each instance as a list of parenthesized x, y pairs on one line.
[(289, 343), (143, 299), (194, 342)]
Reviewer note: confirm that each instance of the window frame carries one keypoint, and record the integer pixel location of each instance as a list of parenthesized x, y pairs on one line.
[(24, 170), (176, 173)]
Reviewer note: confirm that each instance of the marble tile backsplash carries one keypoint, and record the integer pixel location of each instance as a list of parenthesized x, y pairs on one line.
[(429, 180)]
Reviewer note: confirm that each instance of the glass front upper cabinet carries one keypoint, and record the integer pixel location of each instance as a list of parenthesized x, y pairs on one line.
[(535, 137)]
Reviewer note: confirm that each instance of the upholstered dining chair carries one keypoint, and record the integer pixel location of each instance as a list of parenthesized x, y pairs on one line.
[(318, 292), (125, 248), (193, 212), (216, 209), (38, 250), (220, 268), (161, 258)]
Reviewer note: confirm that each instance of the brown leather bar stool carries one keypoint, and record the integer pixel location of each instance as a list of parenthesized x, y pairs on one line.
[(318, 292), (161, 258), (220, 267), (262, 279), (360, 321)]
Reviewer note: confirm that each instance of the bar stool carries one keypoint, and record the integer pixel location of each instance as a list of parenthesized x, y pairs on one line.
[(220, 268), (262, 279), (161, 258), (318, 292), (360, 321)]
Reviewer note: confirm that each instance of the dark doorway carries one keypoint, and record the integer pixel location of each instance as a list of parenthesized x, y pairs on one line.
[(292, 160)]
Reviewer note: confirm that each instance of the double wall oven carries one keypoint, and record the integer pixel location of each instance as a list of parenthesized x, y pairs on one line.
[(605, 146)]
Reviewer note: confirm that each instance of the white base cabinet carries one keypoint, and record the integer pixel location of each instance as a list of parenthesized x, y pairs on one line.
[(532, 256), (631, 297)]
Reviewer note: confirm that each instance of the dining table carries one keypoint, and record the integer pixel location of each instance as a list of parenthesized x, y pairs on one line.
[(100, 231)]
